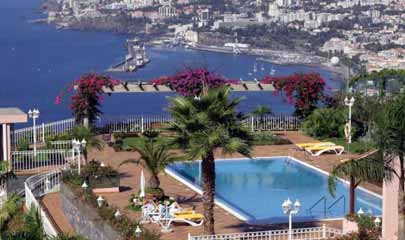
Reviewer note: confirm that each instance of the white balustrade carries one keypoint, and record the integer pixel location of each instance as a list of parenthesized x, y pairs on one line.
[(141, 124), (157, 123), (316, 233), (44, 159), (35, 187), (43, 131)]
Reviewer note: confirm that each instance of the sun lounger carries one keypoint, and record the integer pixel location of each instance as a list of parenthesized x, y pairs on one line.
[(175, 208), (302, 146), (192, 219), (319, 150)]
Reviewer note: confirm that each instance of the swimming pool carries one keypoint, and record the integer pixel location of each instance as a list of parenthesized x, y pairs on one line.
[(254, 189)]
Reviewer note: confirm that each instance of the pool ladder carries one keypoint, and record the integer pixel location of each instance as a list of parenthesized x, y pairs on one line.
[(328, 209)]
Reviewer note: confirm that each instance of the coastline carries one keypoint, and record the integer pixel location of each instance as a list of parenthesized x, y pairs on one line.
[(339, 71)]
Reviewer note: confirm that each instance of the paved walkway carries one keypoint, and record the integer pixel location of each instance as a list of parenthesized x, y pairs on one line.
[(225, 222)]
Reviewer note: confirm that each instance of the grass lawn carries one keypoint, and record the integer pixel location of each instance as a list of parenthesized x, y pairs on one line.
[(133, 141), (260, 138), (358, 147)]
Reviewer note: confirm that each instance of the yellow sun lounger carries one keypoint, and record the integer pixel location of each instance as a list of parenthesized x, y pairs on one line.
[(302, 146), (192, 219), (184, 212), (319, 150), (190, 216)]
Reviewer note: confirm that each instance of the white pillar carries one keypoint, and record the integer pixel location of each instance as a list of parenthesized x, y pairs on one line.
[(390, 206), (43, 132), (35, 136), (324, 231), (142, 123), (5, 150)]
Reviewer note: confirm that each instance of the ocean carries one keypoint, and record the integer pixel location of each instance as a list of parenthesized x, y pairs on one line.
[(37, 61)]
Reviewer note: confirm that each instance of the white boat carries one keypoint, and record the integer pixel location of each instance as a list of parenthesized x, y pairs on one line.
[(272, 71)]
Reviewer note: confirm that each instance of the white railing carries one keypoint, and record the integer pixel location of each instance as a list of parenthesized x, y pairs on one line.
[(43, 131), (316, 233), (62, 144), (43, 159), (141, 124), (275, 123), (132, 124), (35, 187)]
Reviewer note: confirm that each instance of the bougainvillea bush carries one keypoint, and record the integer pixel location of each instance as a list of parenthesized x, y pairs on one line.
[(191, 81), (304, 90), (87, 95)]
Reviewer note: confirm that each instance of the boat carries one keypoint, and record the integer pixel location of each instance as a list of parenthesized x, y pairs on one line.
[(272, 71), (255, 67)]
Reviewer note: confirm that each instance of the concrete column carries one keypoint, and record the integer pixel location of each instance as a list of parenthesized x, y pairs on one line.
[(4, 141), (390, 206), (8, 142)]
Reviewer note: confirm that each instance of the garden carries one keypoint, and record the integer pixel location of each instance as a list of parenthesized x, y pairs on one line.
[(205, 119)]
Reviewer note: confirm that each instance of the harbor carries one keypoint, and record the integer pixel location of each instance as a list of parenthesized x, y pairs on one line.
[(135, 59)]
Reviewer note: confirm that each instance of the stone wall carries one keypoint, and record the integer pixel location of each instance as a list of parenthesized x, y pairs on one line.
[(84, 218)]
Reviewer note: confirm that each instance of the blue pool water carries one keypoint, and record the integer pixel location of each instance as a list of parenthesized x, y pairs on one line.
[(256, 189)]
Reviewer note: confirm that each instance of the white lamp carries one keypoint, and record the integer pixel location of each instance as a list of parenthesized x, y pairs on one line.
[(100, 201), (377, 221), (138, 231), (117, 214)]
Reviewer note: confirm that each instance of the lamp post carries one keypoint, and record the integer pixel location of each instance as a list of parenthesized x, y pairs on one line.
[(100, 201), (78, 146), (290, 209), (138, 231), (348, 132), (34, 114)]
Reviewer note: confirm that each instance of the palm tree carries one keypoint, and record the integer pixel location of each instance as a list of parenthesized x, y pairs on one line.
[(356, 170), (154, 157), (389, 137), (261, 111), (203, 126), (9, 209)]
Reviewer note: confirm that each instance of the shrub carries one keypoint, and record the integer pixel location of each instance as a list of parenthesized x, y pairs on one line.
[(157, 193), (23, 145), (268, 138), (123, 224), (325, 123)]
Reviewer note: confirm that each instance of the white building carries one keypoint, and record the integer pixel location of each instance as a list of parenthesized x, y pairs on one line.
[(167, 11)]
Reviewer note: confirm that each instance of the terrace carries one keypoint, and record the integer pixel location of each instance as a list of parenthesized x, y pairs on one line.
[(59, 195), (225, 222)]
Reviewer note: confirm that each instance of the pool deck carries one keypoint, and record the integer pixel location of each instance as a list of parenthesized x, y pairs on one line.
[(225, 222)]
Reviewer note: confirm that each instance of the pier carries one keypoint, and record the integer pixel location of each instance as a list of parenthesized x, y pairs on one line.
[(135, 59)]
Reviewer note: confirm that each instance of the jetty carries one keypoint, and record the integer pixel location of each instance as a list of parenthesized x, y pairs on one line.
[(135, 58)]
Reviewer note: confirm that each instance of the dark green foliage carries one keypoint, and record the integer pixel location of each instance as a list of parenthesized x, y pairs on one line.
[(268, 138), (154, 156), (325, 123), (23, 145), (203, 126)]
